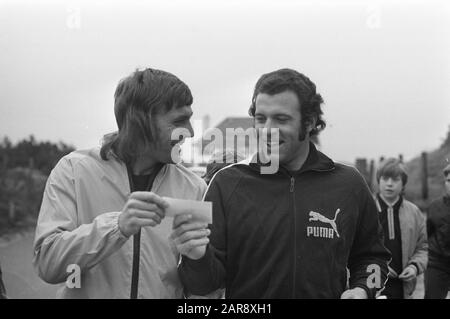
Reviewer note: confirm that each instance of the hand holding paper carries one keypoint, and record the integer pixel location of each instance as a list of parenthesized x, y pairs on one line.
[(190, 225)]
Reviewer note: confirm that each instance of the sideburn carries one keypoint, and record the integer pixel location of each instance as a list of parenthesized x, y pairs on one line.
[(303, 131)]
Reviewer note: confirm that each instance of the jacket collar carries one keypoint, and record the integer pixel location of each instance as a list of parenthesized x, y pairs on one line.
[(384, 205), (316, 161), (122, 176)]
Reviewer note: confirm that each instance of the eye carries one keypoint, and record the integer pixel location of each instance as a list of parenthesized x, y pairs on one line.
[(180, 122), (260, 119), (282, 119)]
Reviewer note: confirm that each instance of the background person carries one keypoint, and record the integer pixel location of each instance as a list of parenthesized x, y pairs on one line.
[(404, 231), (437, 276)]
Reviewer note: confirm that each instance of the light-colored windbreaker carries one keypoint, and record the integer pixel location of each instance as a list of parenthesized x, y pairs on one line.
[(414, 241), (78, 225)]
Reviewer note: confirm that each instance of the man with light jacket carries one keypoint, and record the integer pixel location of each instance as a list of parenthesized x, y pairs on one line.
[(101, 227), (294, 232)]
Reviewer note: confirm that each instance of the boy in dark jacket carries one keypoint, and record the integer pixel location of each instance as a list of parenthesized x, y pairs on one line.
[(293, 232), (437, 276)]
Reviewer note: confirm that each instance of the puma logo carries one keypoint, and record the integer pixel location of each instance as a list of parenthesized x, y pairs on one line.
[(323, 231)]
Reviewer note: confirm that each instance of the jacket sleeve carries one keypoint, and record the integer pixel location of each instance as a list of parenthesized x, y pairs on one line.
[(420, 256), (369, 258), (207, 274), (59, 240)]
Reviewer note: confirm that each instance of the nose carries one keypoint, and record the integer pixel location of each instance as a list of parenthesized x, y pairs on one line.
[(268, 124), (181, 133), (190, 130)]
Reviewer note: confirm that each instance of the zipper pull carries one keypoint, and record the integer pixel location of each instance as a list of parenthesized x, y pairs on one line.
[(292, 184)]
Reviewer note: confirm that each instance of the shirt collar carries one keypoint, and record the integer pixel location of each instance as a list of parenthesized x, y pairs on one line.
[(384, 205)]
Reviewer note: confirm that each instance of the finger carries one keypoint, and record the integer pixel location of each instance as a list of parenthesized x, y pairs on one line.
[(151, 198), (145, 206), (181, 219), (192, 235), (186, 247), (143, 214), (188, 227), (404, 276), (143, 222), (409, 273)]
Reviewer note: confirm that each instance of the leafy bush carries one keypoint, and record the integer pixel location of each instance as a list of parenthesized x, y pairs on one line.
[(24, 169)]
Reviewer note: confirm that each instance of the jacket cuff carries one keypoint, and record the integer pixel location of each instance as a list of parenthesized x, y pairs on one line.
[(201, 264), (112, 218), (417, 267)]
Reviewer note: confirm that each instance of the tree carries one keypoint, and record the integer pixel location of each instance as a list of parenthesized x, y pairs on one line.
[(24, 168), (32, 154)]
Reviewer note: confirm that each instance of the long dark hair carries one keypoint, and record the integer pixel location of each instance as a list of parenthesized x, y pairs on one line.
[(137, 99), (290, 80)]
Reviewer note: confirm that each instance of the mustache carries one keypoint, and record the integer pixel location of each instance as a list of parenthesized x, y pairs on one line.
[(267, 135)]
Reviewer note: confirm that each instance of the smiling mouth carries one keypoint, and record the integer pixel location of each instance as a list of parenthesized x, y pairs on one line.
[(274, 144)]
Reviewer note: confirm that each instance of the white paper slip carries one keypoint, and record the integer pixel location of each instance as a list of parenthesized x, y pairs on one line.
[(200, 211)]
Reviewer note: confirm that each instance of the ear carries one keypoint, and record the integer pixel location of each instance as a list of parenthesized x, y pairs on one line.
[(311, 124)]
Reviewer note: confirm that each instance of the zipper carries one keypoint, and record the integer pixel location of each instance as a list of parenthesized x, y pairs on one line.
[(136, 250), (292, 186), (134, 289)]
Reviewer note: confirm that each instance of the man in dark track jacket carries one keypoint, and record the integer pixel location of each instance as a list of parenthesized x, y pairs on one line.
[(291, 234), (437, 276)]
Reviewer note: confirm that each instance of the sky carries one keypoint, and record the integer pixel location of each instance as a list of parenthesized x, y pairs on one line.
[(382, 67)]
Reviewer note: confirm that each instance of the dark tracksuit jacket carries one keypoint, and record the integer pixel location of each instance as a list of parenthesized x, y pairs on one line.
[(289, 235), (438, 229)]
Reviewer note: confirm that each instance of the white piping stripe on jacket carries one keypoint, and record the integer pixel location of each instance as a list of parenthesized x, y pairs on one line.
[(390, 215), (390, 218), (377, 203), (246, 161)]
